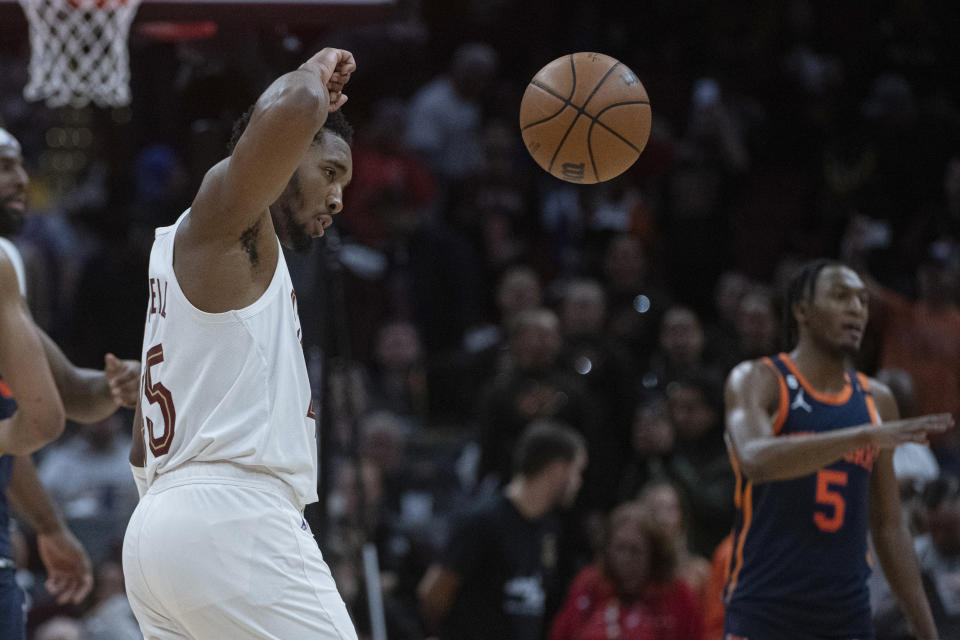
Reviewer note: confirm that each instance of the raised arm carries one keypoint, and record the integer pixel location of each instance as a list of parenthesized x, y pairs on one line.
[(891, 540), (40, 416), (239, 189), (752, 398), (89, 395)]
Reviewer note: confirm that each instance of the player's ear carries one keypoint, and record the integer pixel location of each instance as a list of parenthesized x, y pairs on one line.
[(800, 309)]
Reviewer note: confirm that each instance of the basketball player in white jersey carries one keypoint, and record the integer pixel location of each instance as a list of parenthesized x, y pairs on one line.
[(227, 452)]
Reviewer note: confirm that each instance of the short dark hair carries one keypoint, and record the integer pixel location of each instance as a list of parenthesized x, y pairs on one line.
[(802, 287), (544, 442), (336, 124)]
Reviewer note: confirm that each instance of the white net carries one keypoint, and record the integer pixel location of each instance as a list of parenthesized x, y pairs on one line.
[(78, 51)]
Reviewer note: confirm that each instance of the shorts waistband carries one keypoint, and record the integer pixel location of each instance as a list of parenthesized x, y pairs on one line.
[(223, 473)]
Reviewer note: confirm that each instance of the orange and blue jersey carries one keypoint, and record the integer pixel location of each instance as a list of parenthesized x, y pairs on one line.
[(800, 565), (8, 406)]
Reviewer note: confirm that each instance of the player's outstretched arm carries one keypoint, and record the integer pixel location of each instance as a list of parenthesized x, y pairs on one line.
[(751, 397), (40, 416), (89, 395), (890, 537), (69, 576), (286, 117)]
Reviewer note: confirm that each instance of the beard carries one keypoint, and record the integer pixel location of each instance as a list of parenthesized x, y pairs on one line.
[(298, 238), (11, 221), (296, 235)]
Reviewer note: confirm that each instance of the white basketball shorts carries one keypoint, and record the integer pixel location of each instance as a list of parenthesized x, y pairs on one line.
[(216, 551)]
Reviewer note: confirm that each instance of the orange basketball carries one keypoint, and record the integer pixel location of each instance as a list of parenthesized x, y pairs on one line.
[(585, 118)]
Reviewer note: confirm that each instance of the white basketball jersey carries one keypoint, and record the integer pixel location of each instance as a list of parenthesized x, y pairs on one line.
[(14, 255), (226, 386)]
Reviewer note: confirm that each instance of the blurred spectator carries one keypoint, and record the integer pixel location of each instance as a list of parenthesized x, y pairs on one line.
[(608, 374), (421, 270), (756, 325), (946, 219), (922, 336), (534, 388), (518, 289), (913, 463), (631, 592), (398, 376), (60, 628), (384, 167), (728, 292), (88, 476), (712, 154), (496, 207), (110, 617), (681, 351), (445, 125), (651, 447), (486, 351), (700, 465), (938, 554), (497, 574), (665, 507), (635, 303)]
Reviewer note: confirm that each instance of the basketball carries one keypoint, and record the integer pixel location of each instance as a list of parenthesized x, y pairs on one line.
[(585, 118)]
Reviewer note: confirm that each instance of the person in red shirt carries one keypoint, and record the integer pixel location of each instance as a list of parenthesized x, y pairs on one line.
[(631, 593)]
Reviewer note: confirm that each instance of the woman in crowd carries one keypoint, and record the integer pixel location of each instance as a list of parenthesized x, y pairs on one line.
[(631, 592)]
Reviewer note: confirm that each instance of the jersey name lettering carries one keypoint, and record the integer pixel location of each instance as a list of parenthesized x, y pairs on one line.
[(158, 298)]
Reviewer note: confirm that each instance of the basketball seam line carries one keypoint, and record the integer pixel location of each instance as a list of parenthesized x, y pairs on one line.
[(573, 73), (593, 120), (580, 112), (596, 120), (566, 101)]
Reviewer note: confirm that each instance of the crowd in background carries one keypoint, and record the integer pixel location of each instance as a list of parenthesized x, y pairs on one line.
[(465, 294)]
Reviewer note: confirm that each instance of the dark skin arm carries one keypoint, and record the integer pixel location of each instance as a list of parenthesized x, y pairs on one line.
[(138, 450), (890, 537), (40, 415), (752, 397), (437, 591), (69, 575), (88, 395), (214, 269)]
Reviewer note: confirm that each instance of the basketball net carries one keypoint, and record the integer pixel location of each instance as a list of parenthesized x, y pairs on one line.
[(78, 51)]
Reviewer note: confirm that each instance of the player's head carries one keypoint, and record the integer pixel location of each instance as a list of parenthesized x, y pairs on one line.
[(315, 191), (827, 303), (555, 453), (13, 185)]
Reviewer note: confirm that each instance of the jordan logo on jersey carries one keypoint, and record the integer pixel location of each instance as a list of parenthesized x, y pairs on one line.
[(800, 403)]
